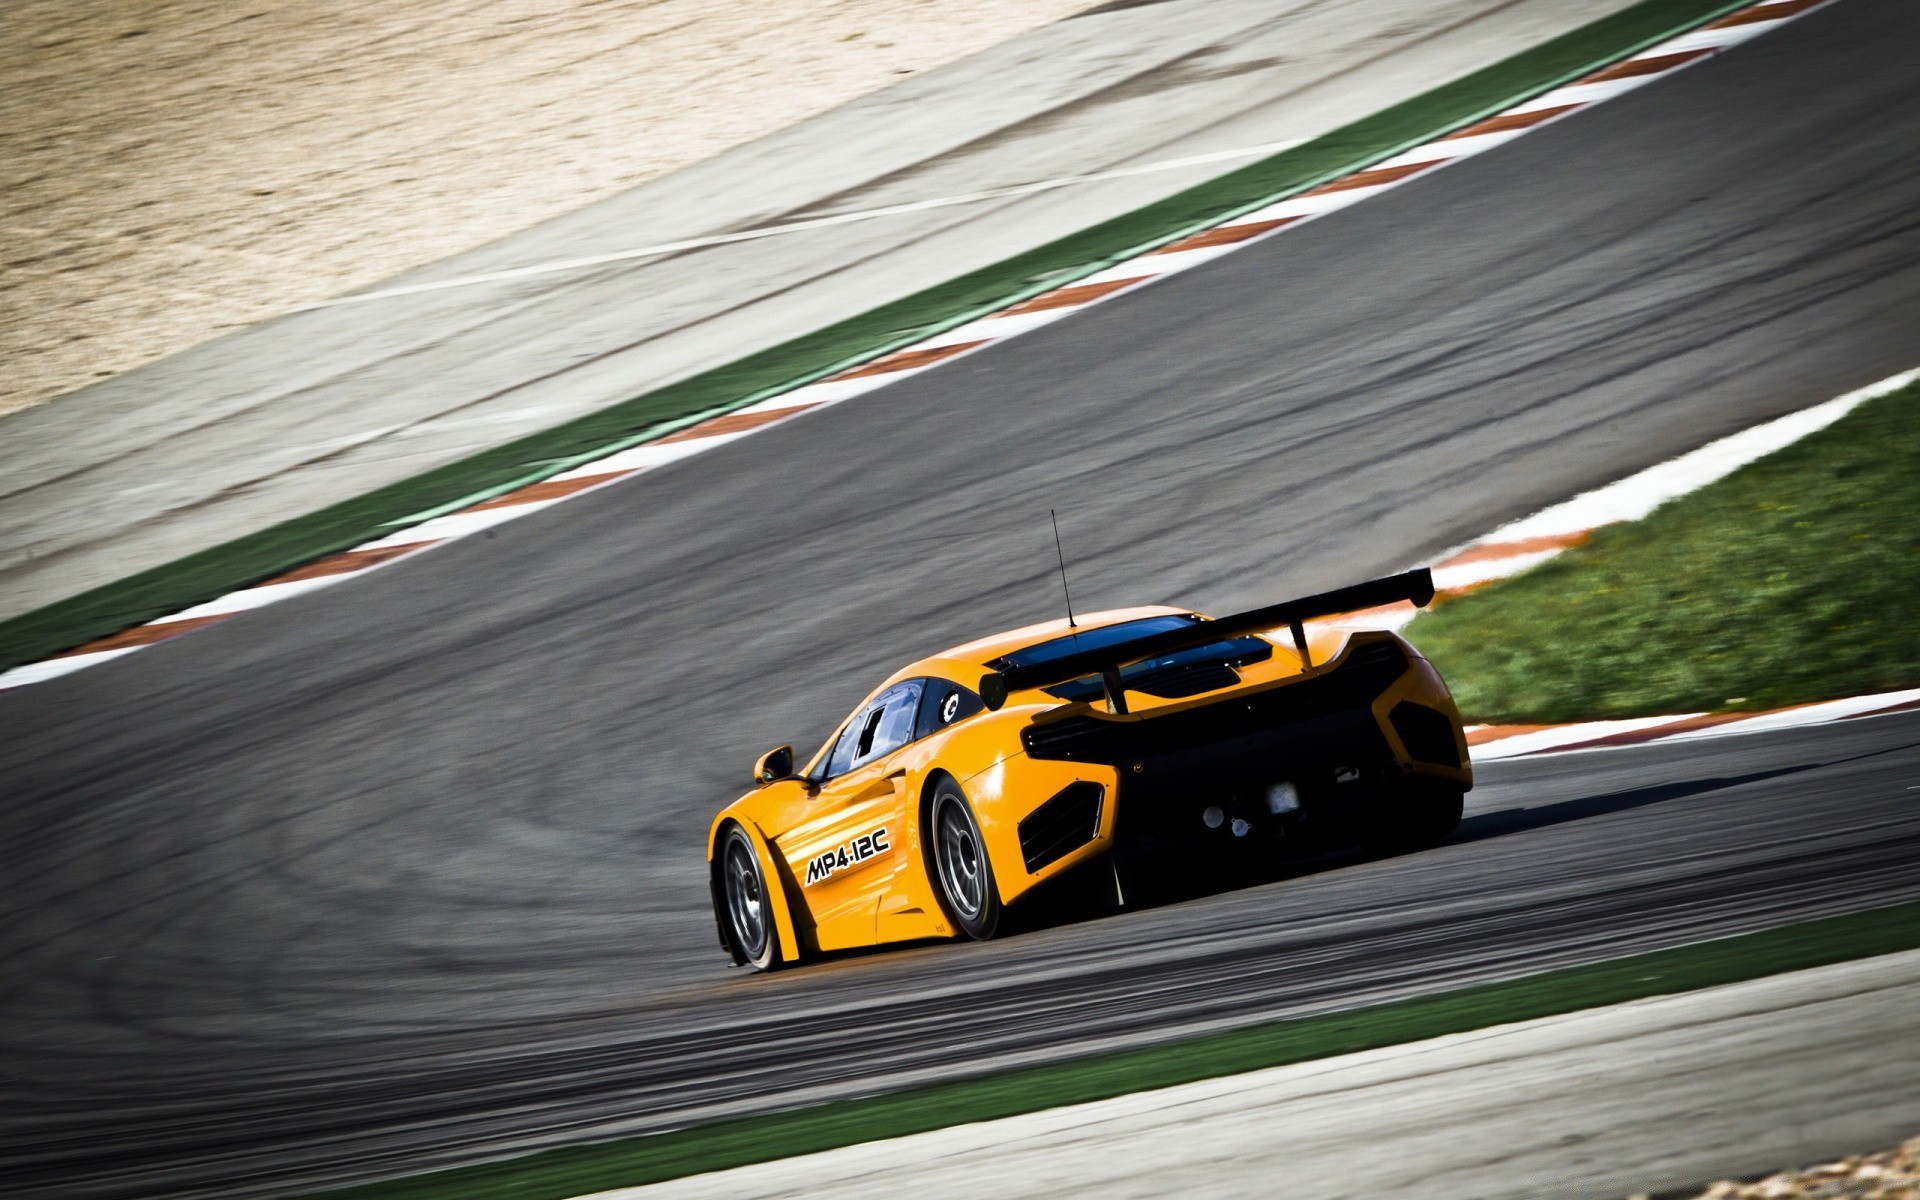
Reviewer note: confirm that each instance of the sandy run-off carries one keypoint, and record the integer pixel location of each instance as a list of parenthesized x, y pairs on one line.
[(171, 169)]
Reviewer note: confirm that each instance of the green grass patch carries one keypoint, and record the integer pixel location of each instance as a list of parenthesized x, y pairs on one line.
[(1792, 580), (557, 1174), (202, 577)]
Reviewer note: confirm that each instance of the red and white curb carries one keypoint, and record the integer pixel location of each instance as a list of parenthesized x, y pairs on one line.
[(1528, 542), (1489, 742), (1188, 251)]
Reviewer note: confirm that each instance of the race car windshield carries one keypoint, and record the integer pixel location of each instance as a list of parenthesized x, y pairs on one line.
[(1183, 673)]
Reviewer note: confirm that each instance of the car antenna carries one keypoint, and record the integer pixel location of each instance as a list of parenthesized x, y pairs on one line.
[(1063, 568)]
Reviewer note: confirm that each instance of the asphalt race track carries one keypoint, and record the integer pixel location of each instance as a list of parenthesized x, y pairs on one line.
[(408, 872)]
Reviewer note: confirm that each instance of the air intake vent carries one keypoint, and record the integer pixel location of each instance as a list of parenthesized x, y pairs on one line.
[(1181, 682), (1061, 738), (1427, 734), (1062, 825), (1381, 659)]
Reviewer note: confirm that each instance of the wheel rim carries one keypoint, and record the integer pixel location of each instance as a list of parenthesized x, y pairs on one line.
[(746, 904), (961, 871)]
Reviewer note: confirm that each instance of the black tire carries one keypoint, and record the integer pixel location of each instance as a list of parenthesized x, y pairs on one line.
[(957, 860), (1417, 814), (746, 909)]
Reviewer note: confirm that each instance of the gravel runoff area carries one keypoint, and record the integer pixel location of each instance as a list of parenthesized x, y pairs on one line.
[(1893, 1175), (171, 169)]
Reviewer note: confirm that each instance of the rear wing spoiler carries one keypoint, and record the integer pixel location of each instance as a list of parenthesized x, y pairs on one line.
[(1414, 586)]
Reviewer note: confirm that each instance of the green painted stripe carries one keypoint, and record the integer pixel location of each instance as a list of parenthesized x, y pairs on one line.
[(246, 560), (557, 1174)]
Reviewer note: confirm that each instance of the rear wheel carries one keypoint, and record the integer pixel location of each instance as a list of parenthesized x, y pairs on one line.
[(962, 872), (1415, 814), (749, 912)]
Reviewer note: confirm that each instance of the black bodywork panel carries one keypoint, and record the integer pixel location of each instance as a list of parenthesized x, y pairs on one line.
[(1317, 733)]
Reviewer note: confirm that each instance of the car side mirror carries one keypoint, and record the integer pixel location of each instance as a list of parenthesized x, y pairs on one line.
[(993, 690), (774, 765)]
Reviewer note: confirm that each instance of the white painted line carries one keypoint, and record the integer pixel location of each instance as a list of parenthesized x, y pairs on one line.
[(1712, 39), (995, 328), (1393, 621), (1587, 93), (559, 266), (1566, 735), (458, 525), (1811, 714), (1637, 495), (1451, 148), (53, 668), (1311, 206), (1396, 620), (799, 398), (256, 597), (1153, 266), (827, 391), (1447, 579), (649, 455), (1566, 739)]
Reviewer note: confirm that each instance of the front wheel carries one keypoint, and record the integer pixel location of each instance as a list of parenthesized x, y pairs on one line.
[(962, 873), (749, 912)]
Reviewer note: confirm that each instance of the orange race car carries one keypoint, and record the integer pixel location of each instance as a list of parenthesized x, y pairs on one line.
[(970, 779)]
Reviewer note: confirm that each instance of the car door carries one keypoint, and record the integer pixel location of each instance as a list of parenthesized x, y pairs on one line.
[(852, 837)]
